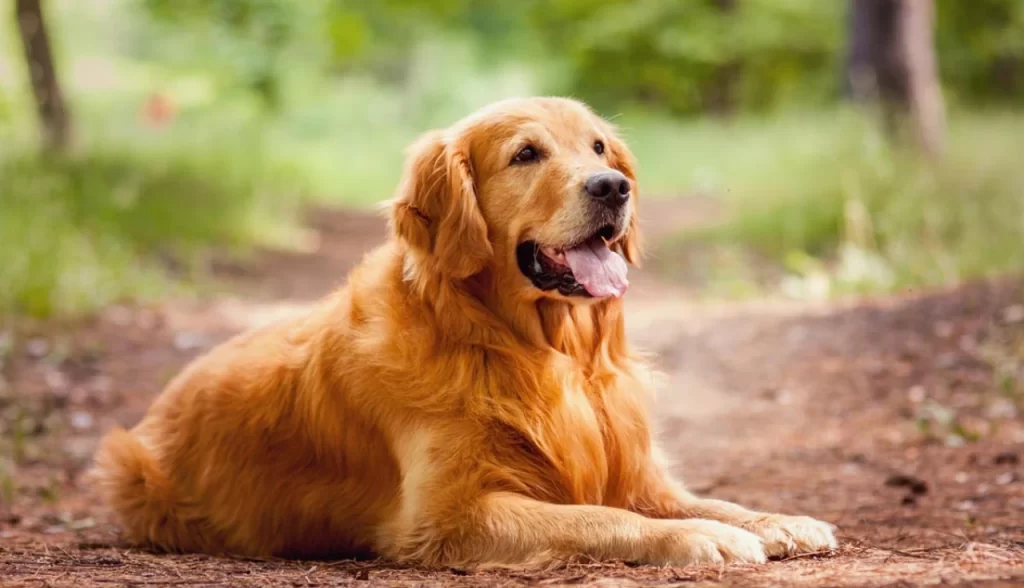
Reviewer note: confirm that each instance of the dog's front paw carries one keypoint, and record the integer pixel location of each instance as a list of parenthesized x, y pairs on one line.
[(698, 541), (786, 535)]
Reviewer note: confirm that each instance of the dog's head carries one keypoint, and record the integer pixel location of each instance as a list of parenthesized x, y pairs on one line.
[(539, 191)]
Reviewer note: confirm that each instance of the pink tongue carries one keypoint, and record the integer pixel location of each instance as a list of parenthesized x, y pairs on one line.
[(601, 271)]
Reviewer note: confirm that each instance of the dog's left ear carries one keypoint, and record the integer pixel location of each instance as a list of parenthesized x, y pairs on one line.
[(621, 159)]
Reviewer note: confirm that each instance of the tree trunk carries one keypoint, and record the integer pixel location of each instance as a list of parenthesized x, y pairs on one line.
[(53, 112), (866, 24), (892, 60), (927, 108)]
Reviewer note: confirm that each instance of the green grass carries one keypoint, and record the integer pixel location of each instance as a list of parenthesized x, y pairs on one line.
[(721, 158), (83, 230), (828, 198)]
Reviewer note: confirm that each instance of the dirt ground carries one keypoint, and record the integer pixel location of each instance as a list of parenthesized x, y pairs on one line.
[(897, 419)]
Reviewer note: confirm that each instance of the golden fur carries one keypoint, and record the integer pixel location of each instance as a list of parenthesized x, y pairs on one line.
[(439, 408)]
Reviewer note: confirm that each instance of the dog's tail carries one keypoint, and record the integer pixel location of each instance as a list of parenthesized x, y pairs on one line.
[(132, 483)]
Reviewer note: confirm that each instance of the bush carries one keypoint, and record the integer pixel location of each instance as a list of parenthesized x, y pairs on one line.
[(872, 216), (81, 231)]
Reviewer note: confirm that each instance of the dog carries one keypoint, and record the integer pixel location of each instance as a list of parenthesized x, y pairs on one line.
[(468, 399)]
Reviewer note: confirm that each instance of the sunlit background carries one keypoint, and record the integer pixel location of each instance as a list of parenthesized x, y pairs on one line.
[(199, 124)]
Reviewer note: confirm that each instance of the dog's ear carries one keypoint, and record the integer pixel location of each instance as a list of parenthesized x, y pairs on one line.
[(435, 210), (621, 159)]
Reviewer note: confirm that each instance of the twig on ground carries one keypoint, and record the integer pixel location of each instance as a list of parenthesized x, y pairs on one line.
[(826, 552)]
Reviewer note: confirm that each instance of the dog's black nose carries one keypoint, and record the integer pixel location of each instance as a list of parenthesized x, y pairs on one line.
[(608, 187)]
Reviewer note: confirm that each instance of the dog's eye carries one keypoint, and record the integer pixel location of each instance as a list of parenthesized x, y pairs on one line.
[(599, 147), (526, 155)]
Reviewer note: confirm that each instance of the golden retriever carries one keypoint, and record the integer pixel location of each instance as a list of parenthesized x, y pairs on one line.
[(467, 399)]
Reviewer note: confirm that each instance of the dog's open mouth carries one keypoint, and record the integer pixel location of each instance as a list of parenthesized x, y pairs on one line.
[(589, 268)]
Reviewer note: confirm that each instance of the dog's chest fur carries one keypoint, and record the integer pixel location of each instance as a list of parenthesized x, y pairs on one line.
[(585, 445)]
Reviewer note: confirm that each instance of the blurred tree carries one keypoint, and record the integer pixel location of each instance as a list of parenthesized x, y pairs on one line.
[(720, 96), (892, 60), (688, 56), (924, 91), (53, 112), (697, 55)]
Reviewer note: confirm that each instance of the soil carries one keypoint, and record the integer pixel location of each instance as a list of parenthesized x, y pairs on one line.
[(897, 419)]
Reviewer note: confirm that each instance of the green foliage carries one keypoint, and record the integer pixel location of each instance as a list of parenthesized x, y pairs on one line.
[(260, 44), (251, 43), (695, 55), (687, 57), (981, 49)]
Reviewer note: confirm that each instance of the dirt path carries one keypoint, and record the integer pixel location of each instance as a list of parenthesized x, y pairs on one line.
[(899, 420)]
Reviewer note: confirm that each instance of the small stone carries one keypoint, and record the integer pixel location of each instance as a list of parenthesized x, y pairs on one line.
[(55, 379), (81, 421), (1014, 314), (1006, 478), (189, 341), (895, 436), (81, 524), (37, 348), (1001, 408), (955, 441), (916, 394), (960, 477)]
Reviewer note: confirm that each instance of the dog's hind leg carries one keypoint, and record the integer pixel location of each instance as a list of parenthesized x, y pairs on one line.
[(130, 480)]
